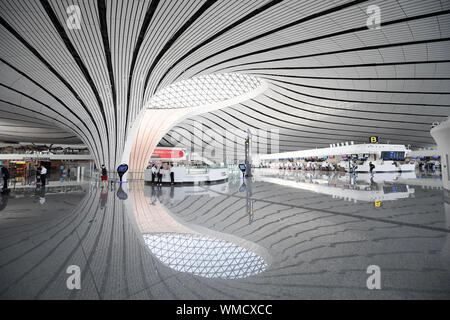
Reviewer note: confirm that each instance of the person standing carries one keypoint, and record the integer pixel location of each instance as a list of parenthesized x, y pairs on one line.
[(104, 176), (38, 175), (153, 173), (371, 167), (5, 176), (33, 170), (43, 175), (160, 174), (172, 174)]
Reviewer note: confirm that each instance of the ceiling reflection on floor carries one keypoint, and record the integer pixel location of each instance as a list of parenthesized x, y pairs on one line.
[(204, 257), (269, 237), (354, 187)]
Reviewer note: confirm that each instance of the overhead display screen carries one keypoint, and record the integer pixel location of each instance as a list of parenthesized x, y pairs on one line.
[(393, 155)]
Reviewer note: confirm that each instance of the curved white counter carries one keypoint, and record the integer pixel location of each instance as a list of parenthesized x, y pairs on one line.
[(181, 175)]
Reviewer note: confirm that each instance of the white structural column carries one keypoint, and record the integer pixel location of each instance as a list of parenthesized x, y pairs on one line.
[(152, 124), (150, 129), (441, 134)]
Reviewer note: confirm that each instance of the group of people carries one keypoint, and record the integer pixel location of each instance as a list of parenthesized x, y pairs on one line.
[(38, 171), (312, 166), (307, 166), (159, 171), (41, 176), (430, 166)]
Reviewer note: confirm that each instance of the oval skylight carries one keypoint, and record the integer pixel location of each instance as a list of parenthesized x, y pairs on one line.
[(204, 257), (204, 90)]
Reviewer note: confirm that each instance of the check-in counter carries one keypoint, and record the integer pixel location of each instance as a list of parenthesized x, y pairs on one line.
[(192, 176), (380, 166)]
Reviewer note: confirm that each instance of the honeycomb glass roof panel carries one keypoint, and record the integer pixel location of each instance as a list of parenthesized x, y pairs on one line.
[(204, 90)]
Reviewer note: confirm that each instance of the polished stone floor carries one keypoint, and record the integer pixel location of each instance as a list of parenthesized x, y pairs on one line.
[(279, 235)]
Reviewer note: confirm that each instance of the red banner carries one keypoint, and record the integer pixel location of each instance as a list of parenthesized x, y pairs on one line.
[(167, 154)]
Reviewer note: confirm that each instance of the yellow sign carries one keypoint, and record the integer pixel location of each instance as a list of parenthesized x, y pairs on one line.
[(373, 139), (377, 203)]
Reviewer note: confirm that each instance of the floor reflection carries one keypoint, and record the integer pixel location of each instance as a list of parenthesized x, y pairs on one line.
[(203, 256), (246, 239), (191, 248), (360, 187)]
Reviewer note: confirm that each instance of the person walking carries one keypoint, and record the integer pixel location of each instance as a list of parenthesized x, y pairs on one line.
[(43, 175), (104, 176), (172, 174), (153, 173), (5, 176)]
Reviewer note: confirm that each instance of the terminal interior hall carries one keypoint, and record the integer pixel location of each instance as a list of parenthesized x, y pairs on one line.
[(225, 150)]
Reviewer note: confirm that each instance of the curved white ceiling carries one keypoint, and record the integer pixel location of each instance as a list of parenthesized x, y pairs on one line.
[(331, 78)]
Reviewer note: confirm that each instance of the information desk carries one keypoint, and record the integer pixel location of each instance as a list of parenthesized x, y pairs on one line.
[(183, 175)]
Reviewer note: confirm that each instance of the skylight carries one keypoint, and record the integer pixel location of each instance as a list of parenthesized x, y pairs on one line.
[(204, 90)]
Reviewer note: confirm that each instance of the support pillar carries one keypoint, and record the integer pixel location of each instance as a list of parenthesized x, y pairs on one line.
[(151, 128), (441, 134), (152, 124)]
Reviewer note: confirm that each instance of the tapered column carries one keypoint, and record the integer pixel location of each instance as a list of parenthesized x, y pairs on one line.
[(441, 134), (153, 125)]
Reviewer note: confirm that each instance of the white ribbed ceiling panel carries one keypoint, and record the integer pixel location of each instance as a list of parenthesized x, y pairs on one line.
[(331, 78)]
